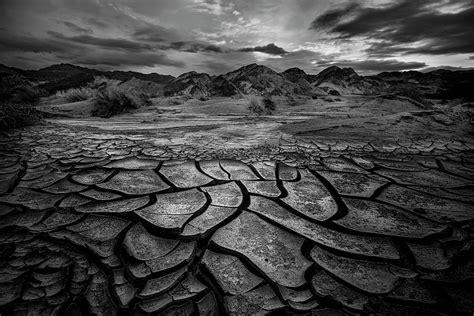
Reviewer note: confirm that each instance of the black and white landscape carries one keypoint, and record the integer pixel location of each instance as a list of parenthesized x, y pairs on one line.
[(218, 157)]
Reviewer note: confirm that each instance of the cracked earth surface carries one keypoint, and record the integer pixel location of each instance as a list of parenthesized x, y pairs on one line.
[(114, 224)]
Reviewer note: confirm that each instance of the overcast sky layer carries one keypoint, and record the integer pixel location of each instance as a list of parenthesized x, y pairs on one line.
[(217, 36)]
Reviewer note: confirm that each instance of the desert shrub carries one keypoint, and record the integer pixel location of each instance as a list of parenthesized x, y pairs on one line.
[(203, 98), (111, 101), (77, 94), (261, 105), (17, 90), (17, 115), (75, 81)]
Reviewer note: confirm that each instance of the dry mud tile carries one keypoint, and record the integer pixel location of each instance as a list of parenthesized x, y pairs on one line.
[(125, 293), (98, 296), (31, 199), (55, 220), (325, 285), (287, 173), (429, 206), (135, 182), (99, 228), (276, 252), (458, 194), (266, 169), (430, 178), (412, 290), (364, 245), (408, 166), (7, 181), (354, 184), (43, 181), (91, 177), (35, 173), (64, 186), (310, 197), (100, 195), (205, 222), (142, 245), (371, 277), (259, 301), (430, 257), (293, 296), (377, 218), (159, 285), (228, 194), (230, 273), (363, 162), (133, 163), (182, 254), (121, 206), (172, 210), (213, 168), (208, 305), (9, 292), (266, 188), (22, 218), (74, 200), (458, 169), (342, 165), (238, 170), (185, 175)]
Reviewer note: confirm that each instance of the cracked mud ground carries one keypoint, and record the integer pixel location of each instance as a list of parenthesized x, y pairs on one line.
[(113, 224)]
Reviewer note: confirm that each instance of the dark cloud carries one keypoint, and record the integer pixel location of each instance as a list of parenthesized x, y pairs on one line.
[(97, 23), (373, 66), (391, 29), (76, 28), (22, 43), (121, 59), (271, 49), (215, 67), (194, 47), (156, 33)]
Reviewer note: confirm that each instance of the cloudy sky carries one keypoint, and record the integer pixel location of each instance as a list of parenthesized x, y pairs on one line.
[(216, 36)]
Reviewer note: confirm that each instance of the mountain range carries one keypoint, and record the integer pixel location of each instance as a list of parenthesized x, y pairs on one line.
[(259, 80)]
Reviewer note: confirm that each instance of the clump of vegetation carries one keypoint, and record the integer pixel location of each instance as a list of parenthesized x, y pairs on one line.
[(17, 100), (77, 94), (261, 105), (202, 98), (110, 101)]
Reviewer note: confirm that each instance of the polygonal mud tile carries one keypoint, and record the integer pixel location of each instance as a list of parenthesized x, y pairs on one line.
[(377, 218), (9, 292), (121, 206), (98, 296), (139, 182), (7, 181), (74, 200), (372, 277), (410, 165), (342, 165), (230, 273), (208, 305), (458, 169), (365, 245), (228, 194), (413, 291), (185, 175), (99, 228), (363, 162), (133, 163), (259, 301), (296, 298), (64, 186), (35, 173), (172, 210), (100, 195), (142, 245), (42, 181), (266, 169), (355, 184), (430, 257), (180, 255), (238, 170), (458, 194), (93, 176), (325, 285), (31, 199), (430, 178), (203, 224), (55, 220), (213, 168), (427, 205), (287, 173), (125, 293), (266, 188), (159, 285), (310, 197), (274, 251)]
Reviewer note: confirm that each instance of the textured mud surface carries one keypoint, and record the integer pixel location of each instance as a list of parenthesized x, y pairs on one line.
[(109, 224)]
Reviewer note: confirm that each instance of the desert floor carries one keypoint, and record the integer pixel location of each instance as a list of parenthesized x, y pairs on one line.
[(350, 204)]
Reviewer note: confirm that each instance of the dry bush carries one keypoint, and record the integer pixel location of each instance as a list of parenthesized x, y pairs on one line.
[(17, 115), (261, 105), (413, 93), (77, 94), (111, 101)]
